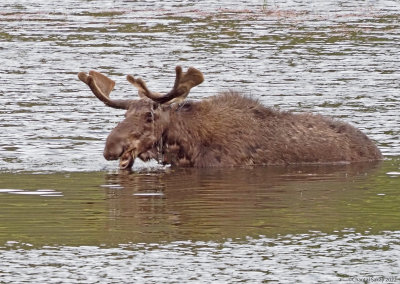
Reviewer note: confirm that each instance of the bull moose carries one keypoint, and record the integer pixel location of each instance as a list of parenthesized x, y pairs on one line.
[(229, 129)]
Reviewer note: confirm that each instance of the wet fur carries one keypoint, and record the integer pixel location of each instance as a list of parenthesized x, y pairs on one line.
[(234, 130)]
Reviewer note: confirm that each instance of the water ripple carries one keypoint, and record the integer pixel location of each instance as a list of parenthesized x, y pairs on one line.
[(333, 257), (296, 55)]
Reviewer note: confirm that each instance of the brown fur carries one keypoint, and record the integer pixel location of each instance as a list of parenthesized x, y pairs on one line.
[(234, 130)]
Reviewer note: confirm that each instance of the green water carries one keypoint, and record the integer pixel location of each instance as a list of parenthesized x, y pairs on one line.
[(110, 209)]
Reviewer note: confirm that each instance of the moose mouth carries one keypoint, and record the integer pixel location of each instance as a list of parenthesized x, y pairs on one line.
[(126, 160), (128, 157)]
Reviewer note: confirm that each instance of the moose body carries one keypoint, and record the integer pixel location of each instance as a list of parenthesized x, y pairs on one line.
[(228, 129)]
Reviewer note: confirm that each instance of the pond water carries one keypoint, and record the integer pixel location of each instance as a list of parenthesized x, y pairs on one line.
[(68, 216)]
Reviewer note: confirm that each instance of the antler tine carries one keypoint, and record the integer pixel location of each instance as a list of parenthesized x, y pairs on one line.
[(101, 87), (183, 83), (143, 91), (178, 77)]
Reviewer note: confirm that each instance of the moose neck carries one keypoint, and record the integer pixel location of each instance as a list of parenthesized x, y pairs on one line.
[(182, 134)]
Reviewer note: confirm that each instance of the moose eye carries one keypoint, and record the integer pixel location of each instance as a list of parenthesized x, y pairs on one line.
[(135, 135), (149, 117)]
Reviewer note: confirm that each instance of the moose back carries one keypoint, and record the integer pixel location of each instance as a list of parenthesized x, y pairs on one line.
[(228, 129)]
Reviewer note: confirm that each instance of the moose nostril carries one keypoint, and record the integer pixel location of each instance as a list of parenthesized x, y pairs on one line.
[(107, 155)]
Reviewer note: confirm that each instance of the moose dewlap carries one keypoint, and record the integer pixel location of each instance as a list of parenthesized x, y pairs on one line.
[(228, 129)]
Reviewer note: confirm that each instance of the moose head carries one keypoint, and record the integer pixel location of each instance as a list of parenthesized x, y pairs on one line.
[(146, 118)]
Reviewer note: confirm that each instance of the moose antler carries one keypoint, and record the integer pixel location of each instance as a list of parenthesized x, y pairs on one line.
[(183, 83), (101, 87), (141, 86)]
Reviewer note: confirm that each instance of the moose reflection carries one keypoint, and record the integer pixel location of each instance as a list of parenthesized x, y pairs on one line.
[(229, 129)]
